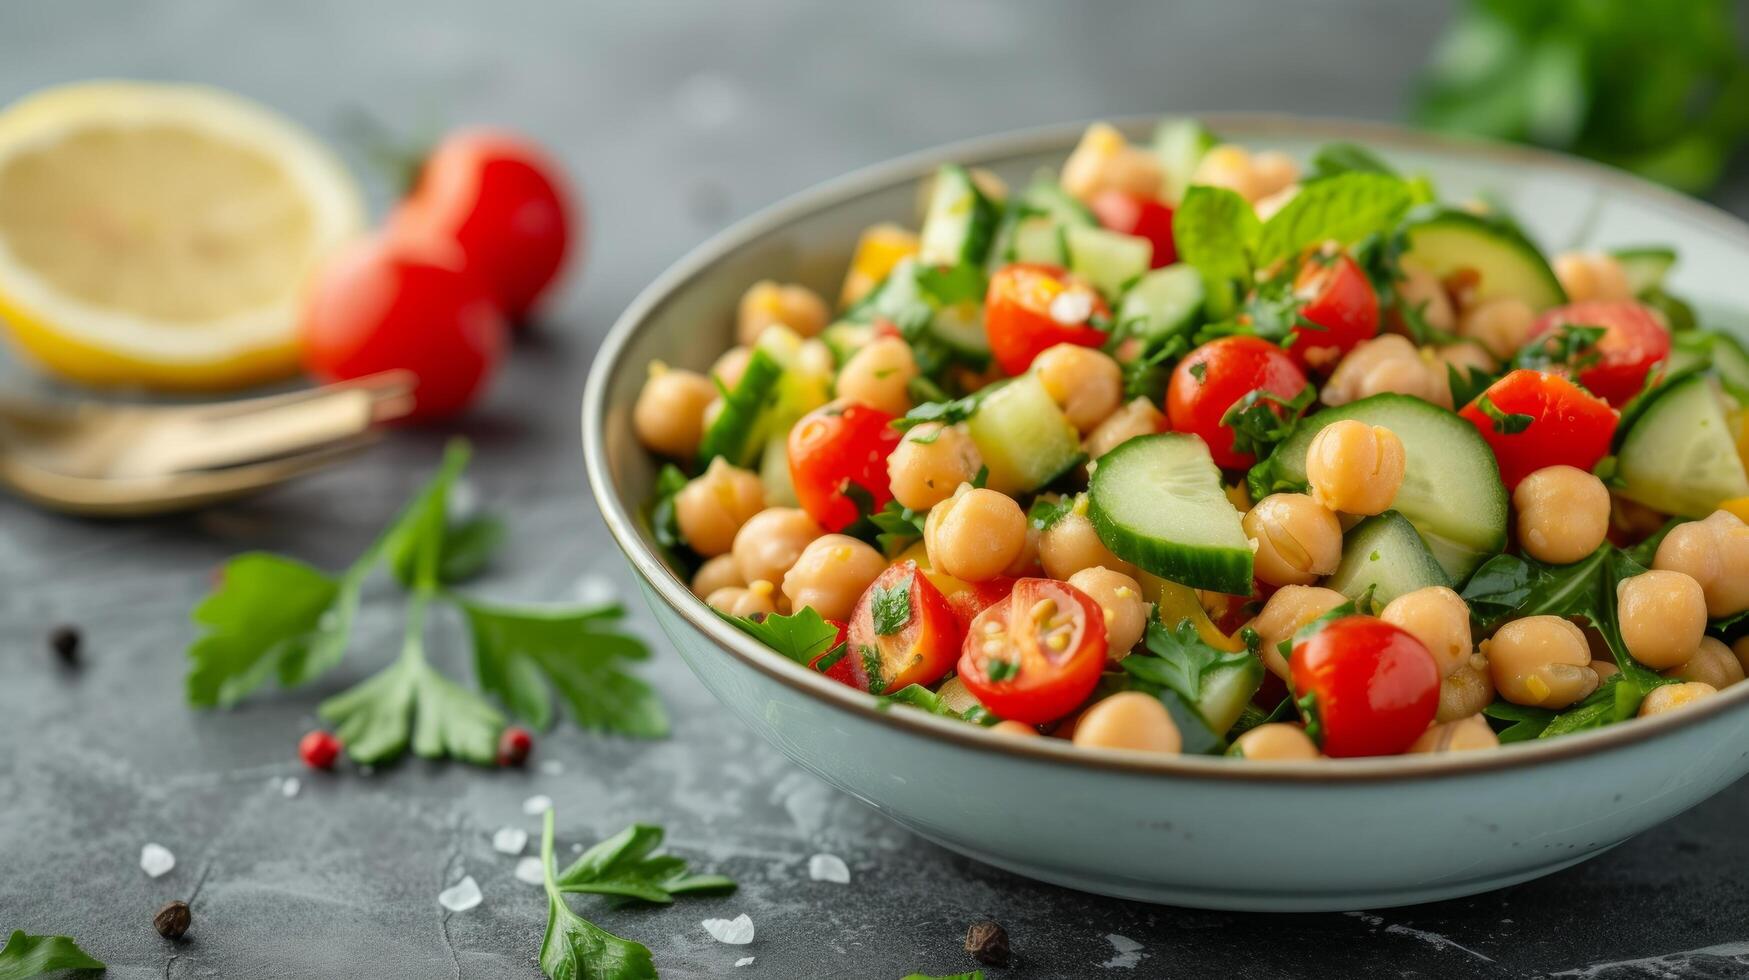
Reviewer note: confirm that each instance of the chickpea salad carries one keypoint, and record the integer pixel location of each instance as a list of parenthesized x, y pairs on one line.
[(1191, 449)]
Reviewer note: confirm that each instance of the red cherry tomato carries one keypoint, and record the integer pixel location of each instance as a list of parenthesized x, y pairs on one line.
[(1030, 307), (1035, 656), (1214, 376), (1616, 366), (1339, 298), (976, 597), (843, 668), (1144, 217), (396, 303), (903, 631), (835, 447), (504, 202), (1366, 687), (1535, 419)]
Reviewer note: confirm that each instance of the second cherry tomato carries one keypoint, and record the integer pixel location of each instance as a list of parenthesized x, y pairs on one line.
[(976, 597), (903, 631), (1035, 656), (838, 462), (1615, 366), (1365, 687), (1533, 419), (1031, 307), (1144, 217), (1214, 376), (1339, 298)]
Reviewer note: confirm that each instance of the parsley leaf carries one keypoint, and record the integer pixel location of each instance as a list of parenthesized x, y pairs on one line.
[(1216, 232), (1344, 208), (409, 702), (1262, 419), (948, 412), (575, 948), (1466, 385), (1178, 658), (1147, 376), (1343, 157), (891, 608), (801, 636), (622, 865), (1525, 723), (30, 956), (898, 526), (1046, 512), (468, 546), (1570, 345), (1504, 423)]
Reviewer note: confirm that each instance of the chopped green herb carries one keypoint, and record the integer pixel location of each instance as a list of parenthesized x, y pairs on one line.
[(1046, 512), (1262, 419), (1571, 345), (891, 607), (1505, 424), (1000, 669), (1178, 658)]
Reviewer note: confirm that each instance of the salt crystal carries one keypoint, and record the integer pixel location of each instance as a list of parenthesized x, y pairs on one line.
[(509, 840), (828, 867), (536, 805), (596, 590), (1129, 952), (290, 787), (156, 860), (744, 961), (736, 932), (530, 872), (461, 896), (552, 767)]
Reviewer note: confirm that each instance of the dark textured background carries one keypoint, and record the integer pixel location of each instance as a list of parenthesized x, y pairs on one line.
[(675, 119)]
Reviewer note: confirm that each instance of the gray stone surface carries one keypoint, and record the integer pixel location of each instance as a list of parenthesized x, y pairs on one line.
[(674, 118)]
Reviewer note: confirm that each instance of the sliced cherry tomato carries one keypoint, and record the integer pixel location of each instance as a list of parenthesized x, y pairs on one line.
[(1214, 376), (1144, 217), (842, 668), (1364, 686), (1615, 366), (1339, 298), (395, 303), (976, 597), (838, 462), (1031, 307), (1035, 656), (903, 631), (1533, 419), (504, 202)]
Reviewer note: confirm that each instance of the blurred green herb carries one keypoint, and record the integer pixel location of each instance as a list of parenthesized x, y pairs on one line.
[(32, 956)]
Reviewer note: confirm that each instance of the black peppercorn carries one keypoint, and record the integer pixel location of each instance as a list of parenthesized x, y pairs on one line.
[(988, 943), (64, 640), (172, 920)]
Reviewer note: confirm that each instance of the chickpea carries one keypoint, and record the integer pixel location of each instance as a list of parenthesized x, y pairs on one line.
[(1229, 166), (1085, 383), (1440, 619), (1591, 275), (1715, 553), (1604, 669), (1563, 514), (720, 572), (1274, 741), (1466, 690), (1501, 325), (767, 303), (1389, 363), (1713, 663), (815, 357), (729, 367), (1072, 544), (975, 534), (1462, 735), (1272, 172), (1138, 417), (1015, 728), (1126, 614), (1129, 720), (713, 506), (879, 376), (1026, 563), (738, 601), (1355, 468), (1421, 291), (1663, 617), (1673, 696), (669, 414), (771, 541), (930, 463), (1295, 539), (1291, 607), (831, 574), (1540, 661), (1104, 159)]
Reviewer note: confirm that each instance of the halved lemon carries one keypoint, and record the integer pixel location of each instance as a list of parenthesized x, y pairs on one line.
[(161, 235)]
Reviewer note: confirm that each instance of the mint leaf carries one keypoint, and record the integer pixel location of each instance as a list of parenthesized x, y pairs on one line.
[(1344, 208), (1216, 231), (622, 865), (802, 636), (575, 948), (1178, 658), (891, 608), (32, 956)]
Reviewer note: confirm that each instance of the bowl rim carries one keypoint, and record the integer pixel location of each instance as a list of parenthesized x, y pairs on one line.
[(995, 149)]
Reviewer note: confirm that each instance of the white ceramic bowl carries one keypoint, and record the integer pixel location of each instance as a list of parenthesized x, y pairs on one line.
[(1206, 832)]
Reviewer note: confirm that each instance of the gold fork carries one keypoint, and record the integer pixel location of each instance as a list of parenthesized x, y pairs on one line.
[(129, 460)]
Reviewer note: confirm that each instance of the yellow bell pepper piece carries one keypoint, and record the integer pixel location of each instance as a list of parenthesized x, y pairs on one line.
[(880, 248)]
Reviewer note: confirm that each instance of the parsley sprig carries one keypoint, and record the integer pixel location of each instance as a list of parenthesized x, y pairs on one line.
[(1263, 418)]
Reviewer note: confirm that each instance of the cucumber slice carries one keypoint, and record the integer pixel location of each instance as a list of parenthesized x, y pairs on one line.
[(1680, 457), (1385, 554), (1226, 691), (780, 490), (1157, 501), (845, 338), (1701, 349), (733, 434), (1451, 485), (1025, 439), (1645, 267), (1045, 197), (961, 327), (1032, 228), (1445, 241), (960, 222), (1109, 260), (1038, 239), (1180, 145), (902, 299), (1166, 303)]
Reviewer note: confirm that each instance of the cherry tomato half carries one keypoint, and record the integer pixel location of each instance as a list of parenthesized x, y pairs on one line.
[(903, 631), (838, 454), (1615, 367), (1144, 217), (1534, 419), (1214, 376), (1365, 686), (1339, 298), (504, 202), (976, 597), (1031, 307), (388, 303), (1035, 656)]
